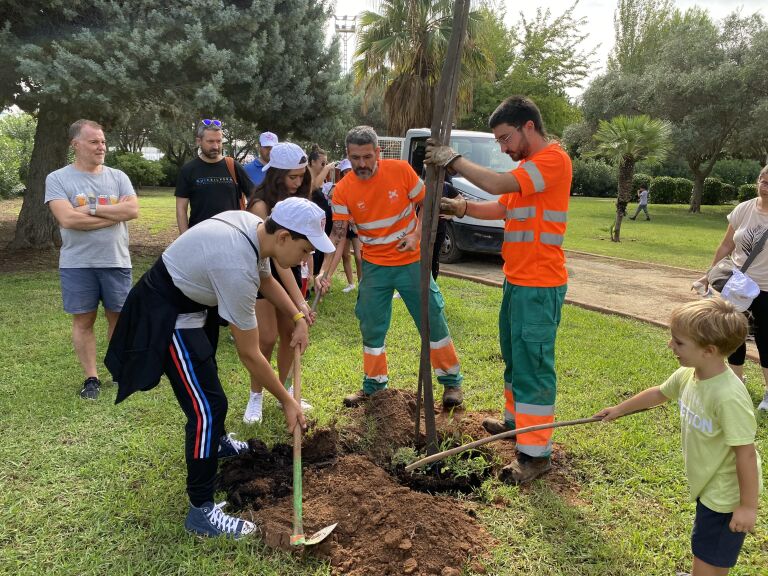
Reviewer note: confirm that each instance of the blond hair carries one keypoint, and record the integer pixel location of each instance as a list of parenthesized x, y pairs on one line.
[(711, 322)]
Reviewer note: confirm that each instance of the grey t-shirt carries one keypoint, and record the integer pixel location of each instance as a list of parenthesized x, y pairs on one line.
[(102, 248), (213, 264)]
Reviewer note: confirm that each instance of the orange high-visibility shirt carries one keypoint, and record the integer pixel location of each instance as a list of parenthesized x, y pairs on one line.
[(383, 209), (536, 219)]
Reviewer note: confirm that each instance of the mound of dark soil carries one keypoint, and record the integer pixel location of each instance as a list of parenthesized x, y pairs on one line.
[(384, 526)]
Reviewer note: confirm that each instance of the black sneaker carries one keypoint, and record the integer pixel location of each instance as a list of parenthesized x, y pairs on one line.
[(91, 389)]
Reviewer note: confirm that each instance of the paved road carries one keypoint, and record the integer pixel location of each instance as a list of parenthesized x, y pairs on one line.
[(646, 292)]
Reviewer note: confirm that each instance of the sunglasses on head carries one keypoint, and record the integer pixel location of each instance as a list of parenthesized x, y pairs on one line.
[(209, 122)]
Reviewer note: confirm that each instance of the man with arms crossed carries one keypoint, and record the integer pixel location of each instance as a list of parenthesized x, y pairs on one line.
[(92, 203)]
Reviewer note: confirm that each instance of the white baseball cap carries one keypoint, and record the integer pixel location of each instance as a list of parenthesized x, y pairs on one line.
[(286, 156), (344, 165), (304, 217), (268, 139)]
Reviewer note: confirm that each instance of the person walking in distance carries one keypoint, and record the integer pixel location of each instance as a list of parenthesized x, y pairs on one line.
[(642, 203), (533, 201), (92, 204)]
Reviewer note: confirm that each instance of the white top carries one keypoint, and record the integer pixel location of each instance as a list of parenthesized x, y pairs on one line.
[(749, 225)]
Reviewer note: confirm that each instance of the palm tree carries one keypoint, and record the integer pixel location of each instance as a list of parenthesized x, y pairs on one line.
[(400, 52), (624, 141)]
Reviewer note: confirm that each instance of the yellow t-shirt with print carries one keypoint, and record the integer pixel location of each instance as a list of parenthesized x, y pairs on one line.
[(715, 415)]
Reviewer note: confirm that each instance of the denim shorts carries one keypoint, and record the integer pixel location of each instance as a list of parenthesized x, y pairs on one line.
[(712, 541), (83, 288)]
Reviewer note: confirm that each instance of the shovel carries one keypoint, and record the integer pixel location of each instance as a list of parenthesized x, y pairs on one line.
[(298, 538)]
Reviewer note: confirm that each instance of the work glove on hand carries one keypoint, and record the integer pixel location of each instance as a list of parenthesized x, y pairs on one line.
[(453, 206), (439, 155)]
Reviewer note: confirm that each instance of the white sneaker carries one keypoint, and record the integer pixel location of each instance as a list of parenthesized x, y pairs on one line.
[(764, 403), (395, 295), (254, 409), (348, 288), (304, 404)]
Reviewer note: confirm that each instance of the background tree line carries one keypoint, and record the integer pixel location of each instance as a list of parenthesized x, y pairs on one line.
[(149, 74)]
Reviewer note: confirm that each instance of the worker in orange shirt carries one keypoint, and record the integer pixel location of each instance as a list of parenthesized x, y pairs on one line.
[(382, 196), (533, 201)]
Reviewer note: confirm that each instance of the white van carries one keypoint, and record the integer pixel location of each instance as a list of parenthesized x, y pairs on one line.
[(465, 234)]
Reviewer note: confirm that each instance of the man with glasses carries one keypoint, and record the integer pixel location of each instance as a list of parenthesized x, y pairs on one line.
[(267, 141), (207, 186), (533, 201), (92, 204)]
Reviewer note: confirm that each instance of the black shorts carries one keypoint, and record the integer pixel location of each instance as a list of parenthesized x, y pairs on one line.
[(712, 541), (296, 274)]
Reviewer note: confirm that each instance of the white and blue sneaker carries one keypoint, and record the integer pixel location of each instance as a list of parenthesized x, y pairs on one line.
[(209, 520), (228, 446)]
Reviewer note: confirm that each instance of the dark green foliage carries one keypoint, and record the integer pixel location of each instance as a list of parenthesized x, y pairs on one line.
[(593, 178), (747, 192), (713, 192), (663, 190), (170, 172), (728, 193), (141, 171), (641, 180), (683, 190), (736, 172)]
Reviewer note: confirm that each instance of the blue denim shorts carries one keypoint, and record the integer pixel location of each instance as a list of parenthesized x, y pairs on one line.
[(712, 541), (83, 288)]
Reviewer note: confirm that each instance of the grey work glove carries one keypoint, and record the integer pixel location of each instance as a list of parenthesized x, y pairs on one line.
[(439, 155), (454, 206)]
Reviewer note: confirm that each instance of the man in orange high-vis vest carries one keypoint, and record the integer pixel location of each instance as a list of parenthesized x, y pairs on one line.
[(381, 196), (533, 201)]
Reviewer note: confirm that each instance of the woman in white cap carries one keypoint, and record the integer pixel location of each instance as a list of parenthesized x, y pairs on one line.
[(286, 176)]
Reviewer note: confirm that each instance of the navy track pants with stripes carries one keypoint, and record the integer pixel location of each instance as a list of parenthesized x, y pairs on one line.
[(190, 366)]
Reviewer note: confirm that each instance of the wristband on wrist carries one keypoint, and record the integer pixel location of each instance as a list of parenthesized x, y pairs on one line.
[(298, 316)]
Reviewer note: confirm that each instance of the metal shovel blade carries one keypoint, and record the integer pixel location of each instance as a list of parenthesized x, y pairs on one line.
[(320, 535)]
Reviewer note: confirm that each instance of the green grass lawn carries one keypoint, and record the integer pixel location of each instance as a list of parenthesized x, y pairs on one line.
[(94, 488), (674, 236)]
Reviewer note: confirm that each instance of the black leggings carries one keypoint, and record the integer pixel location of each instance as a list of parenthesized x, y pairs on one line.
[(759, 309)]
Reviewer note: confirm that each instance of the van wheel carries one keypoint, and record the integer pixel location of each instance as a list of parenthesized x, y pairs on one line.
[(449, 251)]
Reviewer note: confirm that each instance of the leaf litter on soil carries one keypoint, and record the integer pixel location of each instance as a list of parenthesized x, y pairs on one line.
[(384, 526)]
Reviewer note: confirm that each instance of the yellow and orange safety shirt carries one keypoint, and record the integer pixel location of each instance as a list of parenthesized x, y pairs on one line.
[(536, 218), (383, 209)]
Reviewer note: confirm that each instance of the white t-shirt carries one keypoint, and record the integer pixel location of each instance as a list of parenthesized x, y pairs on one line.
[(749, 225), (213, 264)]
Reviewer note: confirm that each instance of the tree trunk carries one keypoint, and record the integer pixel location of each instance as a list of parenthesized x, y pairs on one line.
[(624, 196), (698, 191), (36, 227)]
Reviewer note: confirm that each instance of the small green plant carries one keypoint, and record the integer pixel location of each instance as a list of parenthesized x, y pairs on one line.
[(404, 456)]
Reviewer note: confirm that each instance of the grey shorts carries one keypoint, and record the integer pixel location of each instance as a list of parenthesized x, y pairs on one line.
[(83, 288)]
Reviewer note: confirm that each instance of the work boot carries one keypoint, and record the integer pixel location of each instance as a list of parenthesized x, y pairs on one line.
[(91, 389), (453, 396), (494, 426), (525, 469), (354, 400)]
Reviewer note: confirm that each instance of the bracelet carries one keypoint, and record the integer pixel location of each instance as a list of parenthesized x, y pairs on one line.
[(298, 316)]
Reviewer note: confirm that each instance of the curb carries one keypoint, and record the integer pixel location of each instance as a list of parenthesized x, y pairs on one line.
[(751, 351)]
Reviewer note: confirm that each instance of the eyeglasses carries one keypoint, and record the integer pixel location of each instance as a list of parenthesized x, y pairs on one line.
[(209, 122), (505, 139)]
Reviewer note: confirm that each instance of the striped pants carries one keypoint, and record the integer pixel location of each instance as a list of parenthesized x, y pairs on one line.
[(191, 368), (528, 322), (374, 311)]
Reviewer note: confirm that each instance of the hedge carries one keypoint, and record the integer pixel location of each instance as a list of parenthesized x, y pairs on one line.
[(713, 192), (683, 190), (663, 190), (747, 192), (593, 178)]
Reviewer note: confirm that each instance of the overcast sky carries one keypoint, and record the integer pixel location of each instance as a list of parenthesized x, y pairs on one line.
[(599, 15)]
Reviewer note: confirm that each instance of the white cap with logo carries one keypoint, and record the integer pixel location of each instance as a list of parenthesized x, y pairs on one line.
[(267, 139), (304, 217), (344, 165), (286, 156)]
